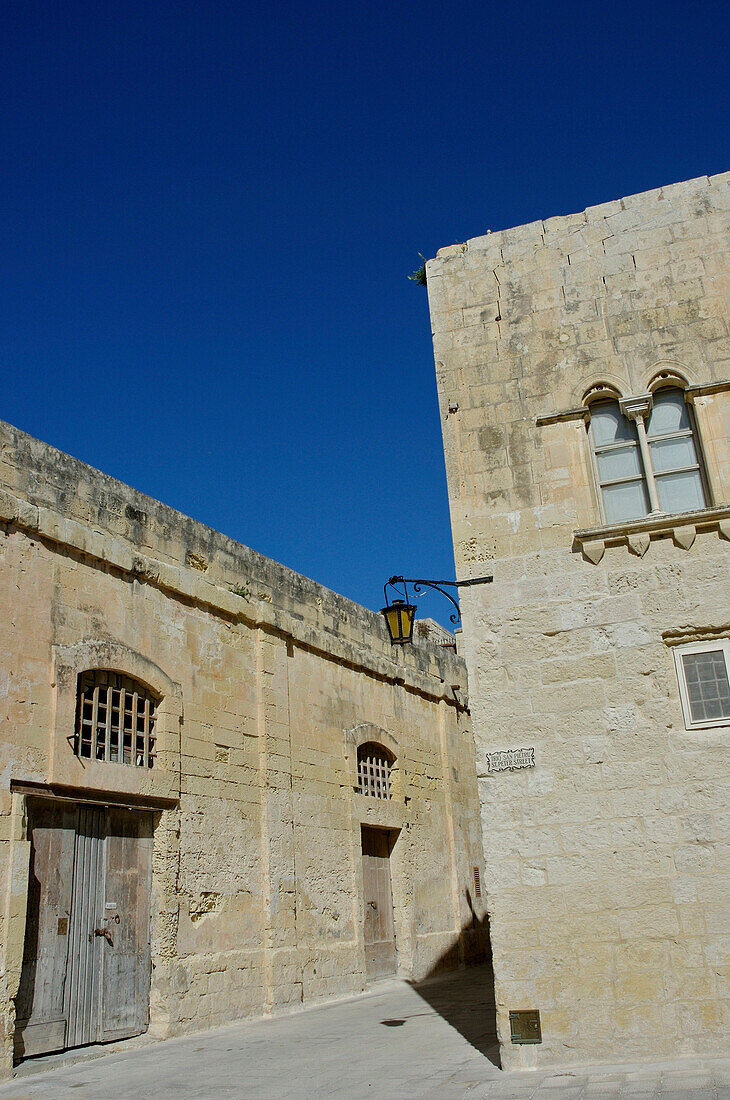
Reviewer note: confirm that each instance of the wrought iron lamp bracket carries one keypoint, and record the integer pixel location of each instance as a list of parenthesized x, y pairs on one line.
[(420, 583)]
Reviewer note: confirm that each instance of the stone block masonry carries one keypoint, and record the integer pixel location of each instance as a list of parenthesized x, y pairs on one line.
[(268, 685), (608, 862)]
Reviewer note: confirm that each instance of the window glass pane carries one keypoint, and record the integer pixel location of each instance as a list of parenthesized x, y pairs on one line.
[(609, 425), (621, 463), (628, 501), (669, 413), (680, 492), (672, 454), (707, 685)]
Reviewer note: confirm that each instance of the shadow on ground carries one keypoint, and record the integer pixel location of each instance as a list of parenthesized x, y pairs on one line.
[(460, 988)]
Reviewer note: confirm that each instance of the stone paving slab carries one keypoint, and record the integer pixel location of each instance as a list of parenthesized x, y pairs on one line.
[(394, 1042)]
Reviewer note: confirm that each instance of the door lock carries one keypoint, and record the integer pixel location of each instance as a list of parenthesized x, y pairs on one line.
[(373, 905), (102, 932)]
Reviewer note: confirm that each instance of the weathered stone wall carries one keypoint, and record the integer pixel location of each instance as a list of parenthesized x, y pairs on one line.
[(608, 863), (267, 692)]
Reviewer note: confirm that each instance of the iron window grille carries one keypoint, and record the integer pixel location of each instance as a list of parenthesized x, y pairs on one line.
[(115, 719), (373, 771)]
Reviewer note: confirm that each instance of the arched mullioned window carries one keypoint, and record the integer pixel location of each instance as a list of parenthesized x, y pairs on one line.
[(373, 770), (618, 462), (675, 461), (115, 719), (645, 455)]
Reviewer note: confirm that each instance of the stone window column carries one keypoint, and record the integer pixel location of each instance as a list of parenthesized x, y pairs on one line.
[(637, 408)]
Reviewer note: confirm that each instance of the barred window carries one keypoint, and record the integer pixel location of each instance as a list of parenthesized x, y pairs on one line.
[(373, 770), (115, 719)]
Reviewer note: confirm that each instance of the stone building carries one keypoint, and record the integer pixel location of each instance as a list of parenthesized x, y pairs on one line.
[(223, 792), (583, 368)]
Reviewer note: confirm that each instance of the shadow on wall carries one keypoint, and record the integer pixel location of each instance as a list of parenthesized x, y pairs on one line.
[(26, 989), (464, 997)]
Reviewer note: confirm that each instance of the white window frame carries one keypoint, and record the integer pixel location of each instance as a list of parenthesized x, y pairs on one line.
[(637, 408), (721, 645), (690, 432), (598, 450)]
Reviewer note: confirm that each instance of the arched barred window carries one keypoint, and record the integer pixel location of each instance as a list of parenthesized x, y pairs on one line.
[(646, 455), (115, 719), (374, 764)]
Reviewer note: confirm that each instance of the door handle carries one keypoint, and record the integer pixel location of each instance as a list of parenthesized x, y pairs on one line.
[(102, 932)]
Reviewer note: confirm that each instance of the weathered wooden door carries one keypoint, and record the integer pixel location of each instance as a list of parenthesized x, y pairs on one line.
[(39, 1007), (379, 930), (127, 965), (86, 964)]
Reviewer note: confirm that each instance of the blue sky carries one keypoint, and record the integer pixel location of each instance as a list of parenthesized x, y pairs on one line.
[(209, 211)]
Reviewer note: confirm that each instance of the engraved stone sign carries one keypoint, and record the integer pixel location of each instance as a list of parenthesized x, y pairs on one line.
[(510, 760)]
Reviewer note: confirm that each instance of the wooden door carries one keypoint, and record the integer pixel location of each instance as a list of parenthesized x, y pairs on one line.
[(86, 964), (82, 984), (379, 930), (39, 1006), (127, 964)]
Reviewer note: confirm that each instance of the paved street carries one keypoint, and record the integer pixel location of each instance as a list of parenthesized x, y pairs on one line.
[(395, 1041)]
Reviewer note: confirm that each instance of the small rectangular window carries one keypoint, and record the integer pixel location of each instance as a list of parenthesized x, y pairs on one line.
[(703, 671), (477, 883)]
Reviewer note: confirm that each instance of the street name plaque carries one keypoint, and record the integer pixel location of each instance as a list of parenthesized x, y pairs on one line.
[(510, 760)]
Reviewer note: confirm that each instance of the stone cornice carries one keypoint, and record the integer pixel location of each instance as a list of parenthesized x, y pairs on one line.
[(695, 634), (66, 793), (189, 584), (579, 413), (681, 527), (706, 388)]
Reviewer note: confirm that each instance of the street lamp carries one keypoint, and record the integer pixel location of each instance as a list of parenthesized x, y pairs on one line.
[(399, 613)]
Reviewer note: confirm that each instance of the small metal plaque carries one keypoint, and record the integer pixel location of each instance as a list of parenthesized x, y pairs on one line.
[(511, 760), (525, 1026), (63, 926)]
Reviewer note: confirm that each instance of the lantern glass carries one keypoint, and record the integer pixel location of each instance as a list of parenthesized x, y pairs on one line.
[(399, 617)]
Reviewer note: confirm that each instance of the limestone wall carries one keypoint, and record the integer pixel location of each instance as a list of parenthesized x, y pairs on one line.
[(267, 691), (607, 863)]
